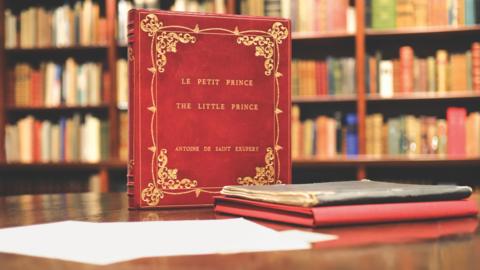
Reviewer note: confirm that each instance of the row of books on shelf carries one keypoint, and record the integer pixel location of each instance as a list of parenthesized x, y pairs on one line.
[(458, 134), (331, 76), (327, 136), (53, 84), (70, 139), (443, 72), (390, 14), (306, 15), (80, 24), (212, 6), (324, 137)]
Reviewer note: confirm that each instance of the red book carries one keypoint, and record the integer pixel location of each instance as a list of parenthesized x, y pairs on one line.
[(209, 105), (476, 66), (456, 130), (406, 69), (346, 214)]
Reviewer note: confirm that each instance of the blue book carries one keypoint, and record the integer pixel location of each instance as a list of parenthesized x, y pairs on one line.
[(469, 12), (351, 134), (63, 139)]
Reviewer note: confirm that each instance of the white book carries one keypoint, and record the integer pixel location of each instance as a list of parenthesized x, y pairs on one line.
[(386, 78), (286, 8), (351, 20), (220, 6), (91, 139)]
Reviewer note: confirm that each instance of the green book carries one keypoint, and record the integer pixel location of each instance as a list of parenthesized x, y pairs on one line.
[(384, 14), (468, 56), (393, 136), (337, 76)]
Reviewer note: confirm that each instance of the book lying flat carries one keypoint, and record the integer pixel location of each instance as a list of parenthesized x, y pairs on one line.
[(347, 192), (346, 214)]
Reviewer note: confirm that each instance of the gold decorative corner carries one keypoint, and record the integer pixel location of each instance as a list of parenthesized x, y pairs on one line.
[(197, 192), (166, 179), (164, 41), (264, 175), (278, 148), (152, 149), (265, 45), (236, 31), (278, 111), (196, 30)]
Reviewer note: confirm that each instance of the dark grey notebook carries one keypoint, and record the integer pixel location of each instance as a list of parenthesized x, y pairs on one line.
[(347, 192)]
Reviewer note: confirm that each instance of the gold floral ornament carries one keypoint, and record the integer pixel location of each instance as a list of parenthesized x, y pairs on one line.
[(265, 45), (164, 41), (264, 175), (166, 180)]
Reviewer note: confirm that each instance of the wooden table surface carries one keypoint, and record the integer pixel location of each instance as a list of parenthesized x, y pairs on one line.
[(445, 244)]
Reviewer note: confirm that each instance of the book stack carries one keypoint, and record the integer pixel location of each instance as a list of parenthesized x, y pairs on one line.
[(324, 136), (440, 73), (64, 26), (347, 202), (73, 139), (331, 76), (457, 135), (307, 16), (387, 14), (53, 84)]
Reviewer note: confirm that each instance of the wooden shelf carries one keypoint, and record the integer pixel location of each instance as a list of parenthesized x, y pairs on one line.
[(72, 49), (422, 31), (64, 166), (390, 161), (34, 109), (425, 96), (326, 99), (300, 36)]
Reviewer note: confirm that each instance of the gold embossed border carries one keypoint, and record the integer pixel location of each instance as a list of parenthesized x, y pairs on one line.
[(164, 39)]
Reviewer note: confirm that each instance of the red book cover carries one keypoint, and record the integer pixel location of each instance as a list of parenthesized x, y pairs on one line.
[(406, 69), (209, 105), (456, 130), (346, 214), (476, 66)]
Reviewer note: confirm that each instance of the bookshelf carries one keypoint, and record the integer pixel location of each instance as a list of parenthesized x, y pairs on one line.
[(357, 44)]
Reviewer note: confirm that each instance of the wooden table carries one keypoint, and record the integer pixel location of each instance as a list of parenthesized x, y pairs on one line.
[(446, 244)]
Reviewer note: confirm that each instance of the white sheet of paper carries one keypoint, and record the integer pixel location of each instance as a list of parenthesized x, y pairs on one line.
[(106, 243), (310, 237)]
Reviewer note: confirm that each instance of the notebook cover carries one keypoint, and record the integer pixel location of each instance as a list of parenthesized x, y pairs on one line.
[(346, 214), (348, 192), (209, 105)]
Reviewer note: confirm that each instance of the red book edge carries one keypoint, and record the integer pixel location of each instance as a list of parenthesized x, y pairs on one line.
[(346, 214)]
